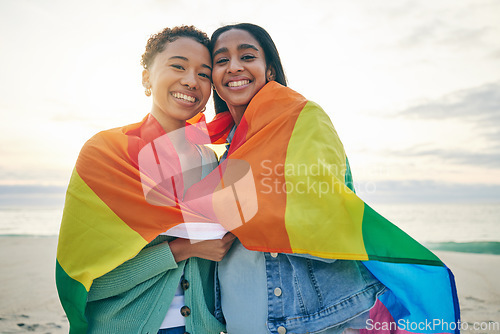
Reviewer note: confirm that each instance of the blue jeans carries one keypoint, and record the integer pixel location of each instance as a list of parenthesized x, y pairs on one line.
[(173, 330)]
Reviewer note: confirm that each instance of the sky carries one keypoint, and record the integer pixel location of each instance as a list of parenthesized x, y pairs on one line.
[(412, 87)]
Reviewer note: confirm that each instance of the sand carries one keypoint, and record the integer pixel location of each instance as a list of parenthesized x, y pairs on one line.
[(29, 302), (28, 296)]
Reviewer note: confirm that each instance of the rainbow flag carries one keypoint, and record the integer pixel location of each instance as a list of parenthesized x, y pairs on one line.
[(285, 187), (305, 204)]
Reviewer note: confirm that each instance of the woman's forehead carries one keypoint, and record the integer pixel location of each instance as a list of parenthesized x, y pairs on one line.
[(236, 37), (185, 48)]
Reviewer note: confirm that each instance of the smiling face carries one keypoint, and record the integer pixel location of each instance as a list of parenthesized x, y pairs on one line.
[(179, 79), (239, 69)]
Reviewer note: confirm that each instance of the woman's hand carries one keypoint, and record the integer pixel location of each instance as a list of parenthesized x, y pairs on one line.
[(213, 250)]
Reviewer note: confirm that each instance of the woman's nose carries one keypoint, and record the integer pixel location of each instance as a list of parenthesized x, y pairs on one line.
[(190, 80), (234, 66)]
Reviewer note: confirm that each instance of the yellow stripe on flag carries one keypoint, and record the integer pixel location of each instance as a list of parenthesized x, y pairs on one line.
[(93, 240), (335, 230)]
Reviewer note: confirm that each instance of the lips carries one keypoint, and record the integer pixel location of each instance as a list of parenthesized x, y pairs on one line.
[(238, 83), (184, 97)]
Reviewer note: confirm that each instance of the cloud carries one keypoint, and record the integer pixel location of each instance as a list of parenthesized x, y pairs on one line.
[(427, 191), (41, 175), (473, 113), (480, 104), (411, 191), (32, 196), (444, 24), (439, 33), (30, 189), (495, 54), (489, 159)]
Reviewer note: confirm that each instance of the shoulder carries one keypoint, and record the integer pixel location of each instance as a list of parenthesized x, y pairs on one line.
[(110, 139), (208, 154)]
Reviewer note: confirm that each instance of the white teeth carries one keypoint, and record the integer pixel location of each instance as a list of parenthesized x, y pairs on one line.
[(184, 97), (238, 83)]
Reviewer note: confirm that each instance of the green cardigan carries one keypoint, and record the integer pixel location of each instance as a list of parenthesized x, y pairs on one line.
[(135, 297)]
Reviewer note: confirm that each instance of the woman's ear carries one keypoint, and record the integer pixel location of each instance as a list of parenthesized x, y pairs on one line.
[(270, 73), (145, 79), (145, 83)]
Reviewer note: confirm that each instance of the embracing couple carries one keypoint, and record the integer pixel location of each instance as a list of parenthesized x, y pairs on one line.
[(300, 262)]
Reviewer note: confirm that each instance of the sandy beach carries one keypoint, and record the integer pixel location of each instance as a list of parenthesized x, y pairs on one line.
[(29, 302), (28, 296)]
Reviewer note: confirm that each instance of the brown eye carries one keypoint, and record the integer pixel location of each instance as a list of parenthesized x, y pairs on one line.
[(248, 57), (221, 60), (179, 67)]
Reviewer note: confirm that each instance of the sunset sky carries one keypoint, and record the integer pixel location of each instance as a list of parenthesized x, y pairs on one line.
[(412, 87)]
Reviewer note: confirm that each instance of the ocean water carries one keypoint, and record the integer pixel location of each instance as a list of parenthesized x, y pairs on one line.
[(473, 228), (458, 227), (445, 222), (33, 221)]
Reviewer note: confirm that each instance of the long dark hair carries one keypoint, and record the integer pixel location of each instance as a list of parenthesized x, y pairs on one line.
[(270, 51)]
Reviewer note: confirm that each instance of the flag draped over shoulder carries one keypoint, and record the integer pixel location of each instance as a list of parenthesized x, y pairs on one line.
[(108, 217), (305, 203), (284, 187)]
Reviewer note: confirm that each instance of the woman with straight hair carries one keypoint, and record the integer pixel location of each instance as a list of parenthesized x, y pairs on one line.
[(311, 256), (262, 292)]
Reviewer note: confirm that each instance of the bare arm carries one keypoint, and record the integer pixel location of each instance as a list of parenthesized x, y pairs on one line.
[(155, 260), (213, 250)]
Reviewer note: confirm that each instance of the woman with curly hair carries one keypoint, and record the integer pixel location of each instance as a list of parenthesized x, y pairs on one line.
[(159, 283)]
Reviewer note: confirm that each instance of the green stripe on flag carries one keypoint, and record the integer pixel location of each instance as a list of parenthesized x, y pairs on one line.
[(348, 176), (384, 241), (73, 298)]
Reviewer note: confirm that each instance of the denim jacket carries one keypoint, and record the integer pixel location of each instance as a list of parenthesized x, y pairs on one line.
[(307, 294)]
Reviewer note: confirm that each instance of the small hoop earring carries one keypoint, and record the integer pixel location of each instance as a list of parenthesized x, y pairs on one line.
[(203, 110), (148, 91)]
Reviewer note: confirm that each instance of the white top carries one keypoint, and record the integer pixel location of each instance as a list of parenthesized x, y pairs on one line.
[(174, 317)]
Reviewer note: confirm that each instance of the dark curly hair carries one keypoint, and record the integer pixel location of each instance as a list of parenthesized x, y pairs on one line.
[(157, 42)]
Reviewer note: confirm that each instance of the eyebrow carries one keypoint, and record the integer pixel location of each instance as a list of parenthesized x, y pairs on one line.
[(240, 47), (185, 59)]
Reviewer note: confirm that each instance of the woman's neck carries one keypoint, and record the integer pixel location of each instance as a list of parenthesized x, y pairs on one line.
[(175, 130), (168, 123), (178, 139), (237, 113)]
